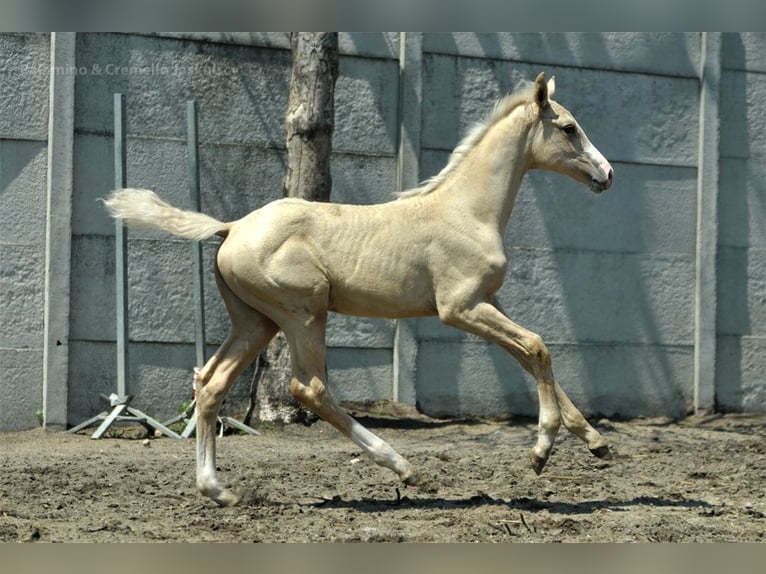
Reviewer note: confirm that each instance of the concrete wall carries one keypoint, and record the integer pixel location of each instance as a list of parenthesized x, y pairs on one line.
[(608, 281), (23, 159), (741, 312)]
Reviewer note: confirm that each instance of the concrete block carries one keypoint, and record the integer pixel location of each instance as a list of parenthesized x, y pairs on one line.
[(370, 44), (660, 53), (160, 291), (742, 203), (362, 179), (350, 332), (92, 315), (21, 295), (468, 378), (366, 105), (21, 394), (741, 374), (743, 51), (23, 169), (653, 128), (25, 73), (359, 374), (743, 115), (741, 291)]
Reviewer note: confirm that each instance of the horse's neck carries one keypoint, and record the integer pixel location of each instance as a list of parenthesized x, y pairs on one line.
[(487, 181)]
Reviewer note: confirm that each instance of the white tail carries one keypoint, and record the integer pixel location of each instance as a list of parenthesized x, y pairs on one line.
[(143, 208)]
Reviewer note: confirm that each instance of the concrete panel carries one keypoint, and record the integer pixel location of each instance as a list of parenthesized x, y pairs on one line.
[(350, 332), (743, 114), (363, 179), (93, 288), (359, 374), (21, 296), (23, 166), (366, 104), (25, 74), (741, 374), (21, 394), (466, 378), (742, 203), (741, 291), (159, 290), (653, 127), (744, 51), (659, 53), (569, 296), (241, 92)]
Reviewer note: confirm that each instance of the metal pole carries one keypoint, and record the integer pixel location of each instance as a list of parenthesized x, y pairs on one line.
[(196, 246), (121, 249)]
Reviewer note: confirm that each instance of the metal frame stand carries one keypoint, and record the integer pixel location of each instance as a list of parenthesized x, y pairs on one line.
[(120, 402), (191, 424), (192, 144)]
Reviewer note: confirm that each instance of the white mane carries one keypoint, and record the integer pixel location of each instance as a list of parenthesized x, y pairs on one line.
[(502, 108)]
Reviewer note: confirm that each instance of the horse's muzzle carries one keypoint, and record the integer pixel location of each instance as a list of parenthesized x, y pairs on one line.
[(601, 185)]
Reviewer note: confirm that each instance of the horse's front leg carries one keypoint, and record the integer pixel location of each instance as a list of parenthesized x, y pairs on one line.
[(488, 321)]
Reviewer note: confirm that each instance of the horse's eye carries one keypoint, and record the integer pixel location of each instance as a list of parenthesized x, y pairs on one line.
[(569, 129)]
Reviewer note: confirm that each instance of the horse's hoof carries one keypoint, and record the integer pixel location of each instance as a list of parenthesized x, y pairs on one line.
[(538, 463), (226, 499), (601, 452), (414, 479)]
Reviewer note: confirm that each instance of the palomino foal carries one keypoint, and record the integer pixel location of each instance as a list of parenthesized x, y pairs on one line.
[(437, 250)]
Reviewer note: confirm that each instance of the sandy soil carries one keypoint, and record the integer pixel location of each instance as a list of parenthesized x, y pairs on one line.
[(700, 479)]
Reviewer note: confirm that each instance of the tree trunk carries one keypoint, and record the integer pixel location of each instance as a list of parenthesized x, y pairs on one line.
[(309, 124)]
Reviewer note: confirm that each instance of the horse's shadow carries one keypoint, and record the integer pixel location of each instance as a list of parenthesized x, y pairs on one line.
[(520, 504)]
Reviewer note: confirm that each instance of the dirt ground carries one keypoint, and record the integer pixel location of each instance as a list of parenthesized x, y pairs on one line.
[(700, 479)]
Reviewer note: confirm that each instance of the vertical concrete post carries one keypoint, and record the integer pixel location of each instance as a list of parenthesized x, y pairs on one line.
[(58, 229), (195, 199), (707, 224), (410, 98)]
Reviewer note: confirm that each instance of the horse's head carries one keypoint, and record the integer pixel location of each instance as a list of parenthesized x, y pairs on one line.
[(559, 144)]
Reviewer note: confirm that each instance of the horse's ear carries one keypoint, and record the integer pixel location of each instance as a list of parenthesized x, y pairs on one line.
[(551, 87), (541, 92)]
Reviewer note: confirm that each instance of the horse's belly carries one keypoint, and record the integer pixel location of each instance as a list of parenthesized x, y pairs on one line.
[(383, 299)]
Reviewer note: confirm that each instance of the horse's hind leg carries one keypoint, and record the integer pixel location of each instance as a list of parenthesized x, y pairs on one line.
[(308, 386), (250, 332)]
